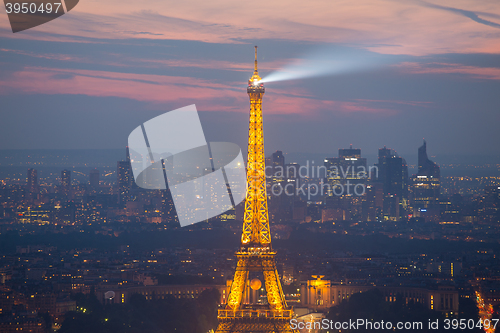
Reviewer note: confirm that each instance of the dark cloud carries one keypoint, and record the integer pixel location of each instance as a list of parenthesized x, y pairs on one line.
[(63, 76), (142, 33), (467, 13)]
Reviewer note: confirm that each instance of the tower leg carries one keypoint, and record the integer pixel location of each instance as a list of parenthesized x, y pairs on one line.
[(238, 285), (275, 296)]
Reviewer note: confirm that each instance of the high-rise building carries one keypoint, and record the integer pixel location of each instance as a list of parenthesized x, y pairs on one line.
[(292, 174), (282, 182), (278, 159), (345, 172), (275, 169), (275, 182), (490, 210), (373, 204), (66, 182), (426, 188), (393, 174), (94, 179), (32, 181), (125, 178)]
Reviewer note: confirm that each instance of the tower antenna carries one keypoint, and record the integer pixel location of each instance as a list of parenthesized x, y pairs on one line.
[(255, 71)]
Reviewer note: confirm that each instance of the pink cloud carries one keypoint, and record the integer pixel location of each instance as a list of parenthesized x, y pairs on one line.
[(386, 26), (246, 67), (120, 60), (141, 87), (297, 104), (158, 89)]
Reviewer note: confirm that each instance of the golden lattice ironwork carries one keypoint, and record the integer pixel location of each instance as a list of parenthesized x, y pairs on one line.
[(245, 326), (256, 219), (255, 254)]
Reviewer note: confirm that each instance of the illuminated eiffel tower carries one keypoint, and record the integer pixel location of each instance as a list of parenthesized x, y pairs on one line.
[(243, 312)]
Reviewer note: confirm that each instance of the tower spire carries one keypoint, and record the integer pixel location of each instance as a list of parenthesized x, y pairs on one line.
[(255, 71)]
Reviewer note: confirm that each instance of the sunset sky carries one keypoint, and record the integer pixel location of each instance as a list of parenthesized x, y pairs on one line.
[(88, 78)]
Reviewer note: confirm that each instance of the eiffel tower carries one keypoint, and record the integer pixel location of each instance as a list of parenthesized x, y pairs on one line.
[(243, 314)]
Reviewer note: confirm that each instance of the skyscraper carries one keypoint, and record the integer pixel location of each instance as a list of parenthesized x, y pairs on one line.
[(275, 169), (275, 181), (426, 188), (292, 175), (66, 182), (32, 181), (278, 159), (94, 179), (348, 168), (393, 174), (490, 210), (373, 203), (282, 182), (125, 178)]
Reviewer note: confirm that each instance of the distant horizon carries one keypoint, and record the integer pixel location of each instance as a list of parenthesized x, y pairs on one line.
[(272, 151), (109, 156)]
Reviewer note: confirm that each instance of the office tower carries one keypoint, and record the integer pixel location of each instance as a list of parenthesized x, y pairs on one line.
[(275, 171), (426, 166), (125, 179), (292, 174), (256, 258), (393, 175), (278, 159), (373, 204), (275, 181), (32, 181), (282, 182), (343, 173), (490, 210), (66, 182), (275, 168), (291, 199), (94, 179), (426, 188)]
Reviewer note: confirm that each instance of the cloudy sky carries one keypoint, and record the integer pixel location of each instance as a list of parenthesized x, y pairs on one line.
[(394, 72)]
